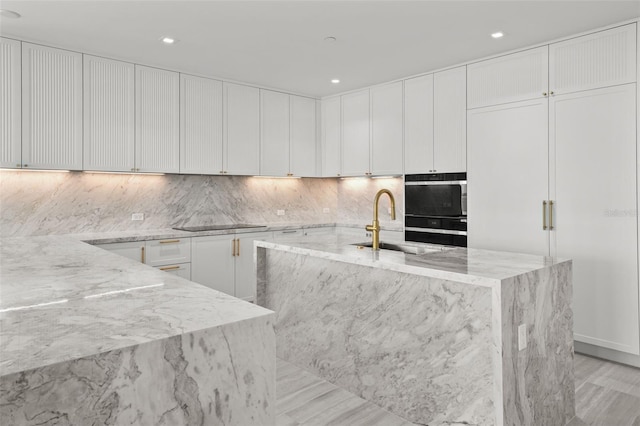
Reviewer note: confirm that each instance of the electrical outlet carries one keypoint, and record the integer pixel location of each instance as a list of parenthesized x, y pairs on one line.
[(326, 210), (137, 216), (280, 212), (522, 337)]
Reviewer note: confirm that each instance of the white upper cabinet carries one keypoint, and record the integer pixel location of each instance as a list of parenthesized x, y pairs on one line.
[(386, 129), (157, 120), (355, 134), (450, 120), (510, 78), (605, 58), (241, 129), (10, 117), (51, 108), (418, 124), (200, 125), (331, 136), (302, 153), (109, 115), (274, 130)]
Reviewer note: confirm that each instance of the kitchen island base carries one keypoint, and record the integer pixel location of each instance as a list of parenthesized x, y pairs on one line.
[(431, 349)]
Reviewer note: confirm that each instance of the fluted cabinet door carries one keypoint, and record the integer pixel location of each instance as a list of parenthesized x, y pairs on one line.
[(356, 131), (241, 129), (109, 115), (274, 133), (510, 78), (386, 129), (10, 131), (418, 124), (331, 137), (605, 58), (200, 125), (157, 120), (450, 120), (302, 152), (51, 108)]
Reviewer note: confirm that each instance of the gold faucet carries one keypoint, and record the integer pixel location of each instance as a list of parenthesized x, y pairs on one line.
[(375, 227)]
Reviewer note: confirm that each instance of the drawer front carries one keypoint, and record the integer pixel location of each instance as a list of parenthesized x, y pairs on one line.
[(168, 252), (287, 233), (182, 270)]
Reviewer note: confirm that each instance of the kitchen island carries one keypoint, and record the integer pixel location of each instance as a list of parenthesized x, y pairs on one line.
[(431, 337), (89, 337)]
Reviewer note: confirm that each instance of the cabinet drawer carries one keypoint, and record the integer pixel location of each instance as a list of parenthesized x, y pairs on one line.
[(168, 252), (182, 270), (287, 233)]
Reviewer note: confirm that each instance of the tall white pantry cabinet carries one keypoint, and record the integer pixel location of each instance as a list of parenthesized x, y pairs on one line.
[(552, 170)]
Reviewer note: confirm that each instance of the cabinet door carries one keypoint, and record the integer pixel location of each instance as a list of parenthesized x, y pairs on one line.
[(418, 124), (508, 177), (302, 149), (605, 58), (355, 134), (593, 134), (274, 133), (212, 262), (331, 137), (51, 108), (10, 114), (386, 129), (157, 120), (450, 120), (245, 264), (132, 250), (509, 78), (109, 115), (242, 129), (200, 125)]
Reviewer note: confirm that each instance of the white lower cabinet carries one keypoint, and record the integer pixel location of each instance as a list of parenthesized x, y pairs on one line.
[(225, 263), (132, 250)]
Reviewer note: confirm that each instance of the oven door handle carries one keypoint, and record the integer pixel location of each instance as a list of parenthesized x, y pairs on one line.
[(436, 182)]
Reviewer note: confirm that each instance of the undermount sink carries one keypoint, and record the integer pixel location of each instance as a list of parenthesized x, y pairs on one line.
[(404, 248)]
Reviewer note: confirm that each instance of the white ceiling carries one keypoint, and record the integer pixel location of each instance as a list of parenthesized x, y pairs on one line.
[(279, 44)]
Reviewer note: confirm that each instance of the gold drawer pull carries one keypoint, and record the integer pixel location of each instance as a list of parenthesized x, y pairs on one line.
[(169, 241), (544, 215), (169, 268), (551, 215)]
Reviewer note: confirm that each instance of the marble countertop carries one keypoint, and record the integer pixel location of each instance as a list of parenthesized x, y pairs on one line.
[(472, 266), (62, 299)]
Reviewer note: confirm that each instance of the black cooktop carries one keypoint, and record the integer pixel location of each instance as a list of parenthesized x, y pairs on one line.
[(217, 227)]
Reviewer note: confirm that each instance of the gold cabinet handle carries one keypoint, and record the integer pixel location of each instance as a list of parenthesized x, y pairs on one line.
[(544, 93), (169, 268), (550, 215), (233, 247), (142, 255), (544, 215), (238, 250), (551, 93), (169, 241)]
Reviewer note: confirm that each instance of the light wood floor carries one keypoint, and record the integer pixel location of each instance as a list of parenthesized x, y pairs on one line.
[(607, 394)]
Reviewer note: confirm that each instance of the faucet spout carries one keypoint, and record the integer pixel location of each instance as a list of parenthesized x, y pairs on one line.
[(374, 228)]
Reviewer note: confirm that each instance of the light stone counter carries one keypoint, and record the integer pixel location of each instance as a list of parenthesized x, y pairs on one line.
[(431, 337), (89, 337)]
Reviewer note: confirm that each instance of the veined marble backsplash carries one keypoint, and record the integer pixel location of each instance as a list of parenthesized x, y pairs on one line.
[(355, 201), (37, 203)]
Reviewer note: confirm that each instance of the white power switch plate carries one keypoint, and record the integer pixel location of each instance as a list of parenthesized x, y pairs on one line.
[(280, 212), (522, 337), (326, 210), (137, 216)]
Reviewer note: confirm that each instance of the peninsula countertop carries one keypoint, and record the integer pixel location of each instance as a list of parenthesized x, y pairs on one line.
[(62, 299), (472, 266)]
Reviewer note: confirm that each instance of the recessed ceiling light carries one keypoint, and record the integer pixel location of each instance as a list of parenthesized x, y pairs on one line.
[(335, 81), (330, 39), (498, 34), (9, 14), (168, 40)]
